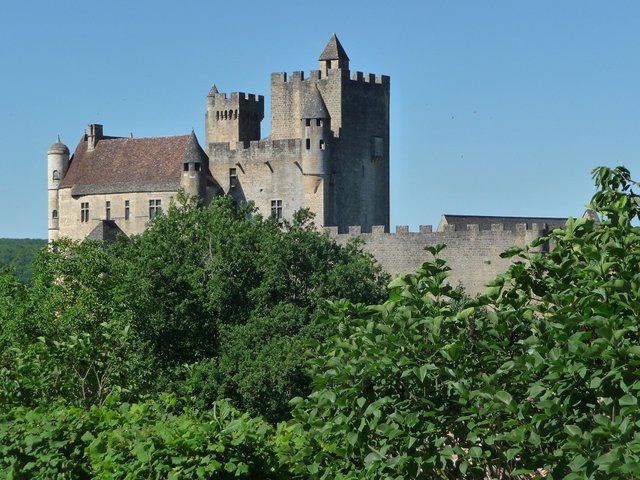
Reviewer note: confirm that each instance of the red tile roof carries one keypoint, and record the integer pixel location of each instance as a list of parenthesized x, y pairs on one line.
[(130, 164)]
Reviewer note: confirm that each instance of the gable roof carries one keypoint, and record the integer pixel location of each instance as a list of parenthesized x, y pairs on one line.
[(333, 50), (131, 164), (509, 223), (106, 230)]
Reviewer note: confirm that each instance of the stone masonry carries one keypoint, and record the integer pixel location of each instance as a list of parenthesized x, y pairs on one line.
[(328, 152)]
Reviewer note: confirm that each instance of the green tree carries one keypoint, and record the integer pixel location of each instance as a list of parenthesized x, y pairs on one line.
[(538, 376), (235, 296)]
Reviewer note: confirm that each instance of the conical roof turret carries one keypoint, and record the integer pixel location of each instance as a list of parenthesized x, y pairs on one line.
[(333, 50), (213, 91), (314, 106), (58, 147), (193, 152)]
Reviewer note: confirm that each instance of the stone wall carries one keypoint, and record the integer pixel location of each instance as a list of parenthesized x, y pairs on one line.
[(71, 226), (472, 254), (266, 171)]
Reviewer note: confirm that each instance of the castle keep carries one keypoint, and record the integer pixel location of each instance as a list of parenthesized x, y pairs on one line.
[(328, 152)]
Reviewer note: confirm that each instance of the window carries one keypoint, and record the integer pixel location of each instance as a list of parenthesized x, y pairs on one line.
[(319, 122), (307, 122), (126, 209), (196, 166), (84, 211), (377, 147), (107, 210), (54, 214), (233, 178), (155, 208), (276, 209), (56, 175), (308, 143), (185, 167), (321, 144)]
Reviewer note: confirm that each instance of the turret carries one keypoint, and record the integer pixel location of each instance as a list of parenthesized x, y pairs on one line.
[(235, 119), (316, 135), (333, 57), (194, 168), (57, 165)]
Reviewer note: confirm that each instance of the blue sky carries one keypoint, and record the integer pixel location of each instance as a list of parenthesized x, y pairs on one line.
[(497, 107)]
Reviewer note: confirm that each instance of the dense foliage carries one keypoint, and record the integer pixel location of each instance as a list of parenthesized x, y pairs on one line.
[(539, 376), (212, 303), (19, 254), (144, 440)]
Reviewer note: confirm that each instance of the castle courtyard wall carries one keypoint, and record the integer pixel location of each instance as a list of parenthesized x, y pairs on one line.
[(473, 255)]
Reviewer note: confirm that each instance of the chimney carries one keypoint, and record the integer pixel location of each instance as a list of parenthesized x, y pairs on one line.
[(94, 134)]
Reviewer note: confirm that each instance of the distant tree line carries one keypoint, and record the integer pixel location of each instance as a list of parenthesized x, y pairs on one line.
[(19, 255)]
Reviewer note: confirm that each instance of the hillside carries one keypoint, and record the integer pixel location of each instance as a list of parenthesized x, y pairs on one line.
[(20, 254)]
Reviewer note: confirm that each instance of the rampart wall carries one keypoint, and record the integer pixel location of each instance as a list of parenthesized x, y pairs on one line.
[(472, 254)]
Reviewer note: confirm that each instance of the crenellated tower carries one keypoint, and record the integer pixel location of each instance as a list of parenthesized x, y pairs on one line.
[(358, 106), (58, 164), (235, 119)]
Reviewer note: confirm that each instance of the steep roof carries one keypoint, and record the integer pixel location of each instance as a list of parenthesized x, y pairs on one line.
[(509, 223), (314, 106), (333, 50), (131, 164), (106, 230)]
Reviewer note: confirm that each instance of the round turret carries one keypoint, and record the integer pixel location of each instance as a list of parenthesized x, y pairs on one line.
[(57, 165), (194, 167), (58, 148), (316, 129)]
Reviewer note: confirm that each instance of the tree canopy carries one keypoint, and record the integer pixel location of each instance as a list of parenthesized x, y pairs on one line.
[(539, 377)]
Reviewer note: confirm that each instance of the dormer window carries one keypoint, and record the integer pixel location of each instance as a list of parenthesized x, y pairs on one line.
[(196, 166)]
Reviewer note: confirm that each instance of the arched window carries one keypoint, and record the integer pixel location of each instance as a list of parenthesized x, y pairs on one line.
[(56, 175), (54, 214)]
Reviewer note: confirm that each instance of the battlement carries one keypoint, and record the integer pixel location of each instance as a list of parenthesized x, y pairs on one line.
[(299, 76), (236, 98), (445, 230), (370, 78)]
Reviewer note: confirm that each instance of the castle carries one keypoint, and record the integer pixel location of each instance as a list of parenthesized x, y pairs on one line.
[(328, 152)]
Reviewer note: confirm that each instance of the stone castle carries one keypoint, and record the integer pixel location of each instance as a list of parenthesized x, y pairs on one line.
[(328, 152)]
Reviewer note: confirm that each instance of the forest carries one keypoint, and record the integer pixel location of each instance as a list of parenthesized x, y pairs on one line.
[(221, 344), (19, 255)]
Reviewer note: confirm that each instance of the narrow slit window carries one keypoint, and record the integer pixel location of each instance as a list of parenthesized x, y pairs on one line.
[(233, 178), (321, 144), (107, 210), (308, 143), (126, 209)]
